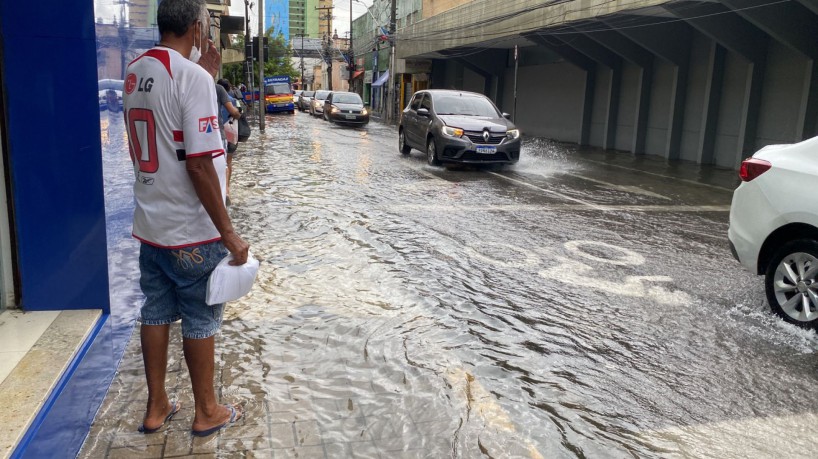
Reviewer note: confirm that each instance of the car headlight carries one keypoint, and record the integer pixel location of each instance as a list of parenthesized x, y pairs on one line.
[(364, 112), (334, 109), (513, 134), (452, 132)]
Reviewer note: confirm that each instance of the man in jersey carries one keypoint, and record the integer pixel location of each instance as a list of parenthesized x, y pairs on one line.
[(180, 217)]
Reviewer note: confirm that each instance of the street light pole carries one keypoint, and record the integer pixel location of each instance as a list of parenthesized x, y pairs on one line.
[(261, 102), (351, 52), (391, 89)]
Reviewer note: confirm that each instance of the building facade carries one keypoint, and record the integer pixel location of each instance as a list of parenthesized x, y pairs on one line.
[(304, 16), (142, 13)]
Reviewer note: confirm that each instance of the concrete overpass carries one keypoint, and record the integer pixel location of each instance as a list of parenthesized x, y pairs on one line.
[(708, 81)]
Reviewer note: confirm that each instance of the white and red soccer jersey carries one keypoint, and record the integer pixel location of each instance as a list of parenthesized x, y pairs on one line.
[(171, 115)]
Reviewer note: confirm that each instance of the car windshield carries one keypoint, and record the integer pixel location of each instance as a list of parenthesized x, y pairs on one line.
[(308, 93), (465, 106), (321, 95), (347, 99), (278, 88)]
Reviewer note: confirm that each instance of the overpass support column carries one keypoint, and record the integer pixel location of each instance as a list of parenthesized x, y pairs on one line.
[(808, 115), (712, 100), (742, 38), (630, 51), (612, 109)]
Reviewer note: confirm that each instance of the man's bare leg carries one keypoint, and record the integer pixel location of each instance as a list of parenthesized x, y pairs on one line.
[(200, 356), (229, 173), (154, 340)]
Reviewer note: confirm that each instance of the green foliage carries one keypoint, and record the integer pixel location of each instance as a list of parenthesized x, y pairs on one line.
[(280, 62)]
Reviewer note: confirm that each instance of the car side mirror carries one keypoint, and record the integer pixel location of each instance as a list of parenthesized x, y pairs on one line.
[(507, 116), (423, 112)]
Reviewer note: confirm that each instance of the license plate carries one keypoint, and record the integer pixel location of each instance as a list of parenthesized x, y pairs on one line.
[(350, 117), (486, 150)]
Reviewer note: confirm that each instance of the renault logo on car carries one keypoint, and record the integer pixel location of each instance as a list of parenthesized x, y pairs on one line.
[(486, 136)]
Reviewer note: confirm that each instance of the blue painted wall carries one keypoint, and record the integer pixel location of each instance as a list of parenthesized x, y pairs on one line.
[(49, 73), (277, 15)]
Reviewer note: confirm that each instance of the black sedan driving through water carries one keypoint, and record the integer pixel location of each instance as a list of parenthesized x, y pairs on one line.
[(458, 127)]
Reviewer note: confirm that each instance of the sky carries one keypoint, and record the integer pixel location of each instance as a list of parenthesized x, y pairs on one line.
[(340, 13), (108, 9)]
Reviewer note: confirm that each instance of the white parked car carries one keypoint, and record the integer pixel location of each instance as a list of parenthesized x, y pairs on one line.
[(774, 227)]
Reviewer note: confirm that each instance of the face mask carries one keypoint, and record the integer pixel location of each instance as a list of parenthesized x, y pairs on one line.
[(195, 52)]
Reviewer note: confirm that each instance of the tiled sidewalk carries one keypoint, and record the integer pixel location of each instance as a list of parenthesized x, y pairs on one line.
[(300, 401)]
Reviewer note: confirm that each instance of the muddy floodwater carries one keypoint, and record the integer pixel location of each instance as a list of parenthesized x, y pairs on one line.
[(577, 304)]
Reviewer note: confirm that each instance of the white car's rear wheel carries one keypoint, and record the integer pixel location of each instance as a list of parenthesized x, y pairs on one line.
[(791, 282)]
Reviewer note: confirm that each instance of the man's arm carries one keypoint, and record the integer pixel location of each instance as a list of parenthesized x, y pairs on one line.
[(234, 112), (206, 183)]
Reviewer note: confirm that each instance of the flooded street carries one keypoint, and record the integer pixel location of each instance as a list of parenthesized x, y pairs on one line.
[(577, 304)]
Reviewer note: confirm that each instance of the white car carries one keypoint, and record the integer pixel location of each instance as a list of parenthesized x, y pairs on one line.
[(774, 227)]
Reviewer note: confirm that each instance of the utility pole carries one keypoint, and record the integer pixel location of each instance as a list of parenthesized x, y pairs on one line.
[(301, 53), (248, 58), (262, 106), (390, 116), (328, 42), (351, 52)]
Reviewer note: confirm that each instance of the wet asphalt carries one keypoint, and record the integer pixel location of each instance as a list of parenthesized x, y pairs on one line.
[(581, 303)]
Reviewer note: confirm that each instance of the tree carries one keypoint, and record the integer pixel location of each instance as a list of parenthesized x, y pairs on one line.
[(279, 62)]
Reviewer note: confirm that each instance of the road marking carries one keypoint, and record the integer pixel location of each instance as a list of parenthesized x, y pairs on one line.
[(578, 274), (553, 207), (692, 182), (628, 258), (625, 188), (528, 258), (526, 184)]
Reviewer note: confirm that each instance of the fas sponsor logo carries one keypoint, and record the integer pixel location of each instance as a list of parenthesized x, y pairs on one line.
[(209, 124)]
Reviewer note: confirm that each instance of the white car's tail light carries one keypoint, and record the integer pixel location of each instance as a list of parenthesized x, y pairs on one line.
[(752, 168)]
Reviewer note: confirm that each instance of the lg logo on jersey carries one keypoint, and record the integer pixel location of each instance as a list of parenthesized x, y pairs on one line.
[(144, 85), (208, 125)]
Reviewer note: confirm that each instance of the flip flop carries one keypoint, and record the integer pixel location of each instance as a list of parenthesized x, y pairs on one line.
[(174, 408), (235, 415)]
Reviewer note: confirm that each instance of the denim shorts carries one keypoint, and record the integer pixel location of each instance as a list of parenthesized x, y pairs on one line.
[(174, 282)]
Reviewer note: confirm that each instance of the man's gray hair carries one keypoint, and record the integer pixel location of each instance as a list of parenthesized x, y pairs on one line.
[(176, 16)]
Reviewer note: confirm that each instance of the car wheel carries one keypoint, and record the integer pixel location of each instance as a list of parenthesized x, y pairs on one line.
[(431, 153), (791, 282), (404, 148)]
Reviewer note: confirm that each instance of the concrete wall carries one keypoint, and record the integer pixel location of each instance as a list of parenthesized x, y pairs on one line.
[(626, 118), (660, 104), (549, 101), (695, 102), (736, 72), (781, 98), (600, 107)]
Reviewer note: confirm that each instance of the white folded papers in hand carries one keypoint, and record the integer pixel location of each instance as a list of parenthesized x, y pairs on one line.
[(228, 282)]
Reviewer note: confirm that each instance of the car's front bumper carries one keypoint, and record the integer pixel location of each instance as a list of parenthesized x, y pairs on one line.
[(349, 118), (463, 150), (280, 107)]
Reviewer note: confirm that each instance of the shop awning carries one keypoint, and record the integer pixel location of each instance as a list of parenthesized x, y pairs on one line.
[(382, 79), (357, 74)]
